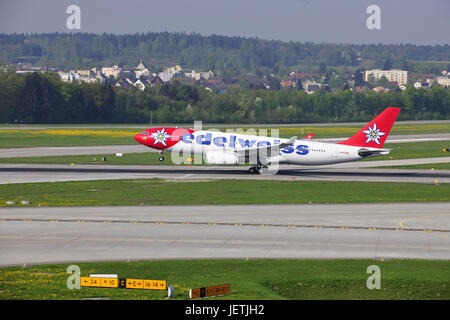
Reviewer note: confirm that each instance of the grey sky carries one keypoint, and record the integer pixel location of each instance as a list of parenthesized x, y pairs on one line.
[(333, 21)]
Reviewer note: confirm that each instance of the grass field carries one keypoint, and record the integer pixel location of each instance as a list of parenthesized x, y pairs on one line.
[(413, 150), (17, 138), (157, 191), (249, 279), (348, 131)]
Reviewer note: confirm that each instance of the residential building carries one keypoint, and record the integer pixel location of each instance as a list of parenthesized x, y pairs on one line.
[(113, 71), (397, 75), (199, 75), (194, 75), (156, 80), (288, 84), (141, 84), (177, 70), (66, 76), (165, 76), (170, 73), (83, 75), (141, 70), (421, 84), (443, 81), (380, 89), (207, 75), (122, 84), (311, 86)]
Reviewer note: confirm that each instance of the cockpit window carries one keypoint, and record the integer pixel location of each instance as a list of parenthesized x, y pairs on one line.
[(145, 132)]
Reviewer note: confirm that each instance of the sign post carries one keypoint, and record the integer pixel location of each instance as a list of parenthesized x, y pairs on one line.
[(211, 291), (123, 283)]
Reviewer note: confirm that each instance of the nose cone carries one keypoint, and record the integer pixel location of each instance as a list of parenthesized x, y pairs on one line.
[(139, 137)]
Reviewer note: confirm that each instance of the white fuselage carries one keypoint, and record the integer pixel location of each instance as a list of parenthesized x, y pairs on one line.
[(302, 152)]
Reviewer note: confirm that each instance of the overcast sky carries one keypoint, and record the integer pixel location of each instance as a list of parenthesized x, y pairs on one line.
[(333, 21)]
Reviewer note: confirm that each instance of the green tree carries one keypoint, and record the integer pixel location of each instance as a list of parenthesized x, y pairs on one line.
[(383, 81), (358, 77), (322, 68), (40, 99), (387, 64)]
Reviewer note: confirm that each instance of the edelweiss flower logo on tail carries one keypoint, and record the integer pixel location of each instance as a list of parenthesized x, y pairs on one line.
[(160, 136), (373, 134)]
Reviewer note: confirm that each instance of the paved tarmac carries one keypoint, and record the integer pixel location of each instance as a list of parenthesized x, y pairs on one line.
[(354, 171), (372, 231), (71, 151)]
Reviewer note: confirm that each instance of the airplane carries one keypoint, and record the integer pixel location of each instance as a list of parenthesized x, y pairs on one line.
[(220, 148), (309, 136)]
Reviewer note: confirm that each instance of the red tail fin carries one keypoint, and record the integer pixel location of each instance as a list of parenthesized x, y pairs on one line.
[(374, 134)]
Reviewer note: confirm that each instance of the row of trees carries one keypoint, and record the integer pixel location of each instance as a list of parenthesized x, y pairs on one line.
[(217, 53), (43, 98)]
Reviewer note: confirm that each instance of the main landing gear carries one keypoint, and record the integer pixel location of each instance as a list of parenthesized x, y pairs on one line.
[(161, 157), (259, 168)]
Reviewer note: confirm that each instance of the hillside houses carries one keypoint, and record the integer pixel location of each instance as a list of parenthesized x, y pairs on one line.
[(141, 77), (84, 75)]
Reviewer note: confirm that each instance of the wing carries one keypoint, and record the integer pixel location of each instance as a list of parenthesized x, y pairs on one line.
[(260, 154)]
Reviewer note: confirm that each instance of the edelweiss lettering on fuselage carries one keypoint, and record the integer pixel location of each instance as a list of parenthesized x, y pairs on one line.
[(234, 141)]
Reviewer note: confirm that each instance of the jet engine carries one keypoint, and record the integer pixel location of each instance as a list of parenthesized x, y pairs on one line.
[(364, 153), (220, 157)]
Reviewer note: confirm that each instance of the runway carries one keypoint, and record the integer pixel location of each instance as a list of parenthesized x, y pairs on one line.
[(354, 171), (372, 231), (71, 151), (137, 148)]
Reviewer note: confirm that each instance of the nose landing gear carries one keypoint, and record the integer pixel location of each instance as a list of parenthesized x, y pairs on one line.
[(161, 157)]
